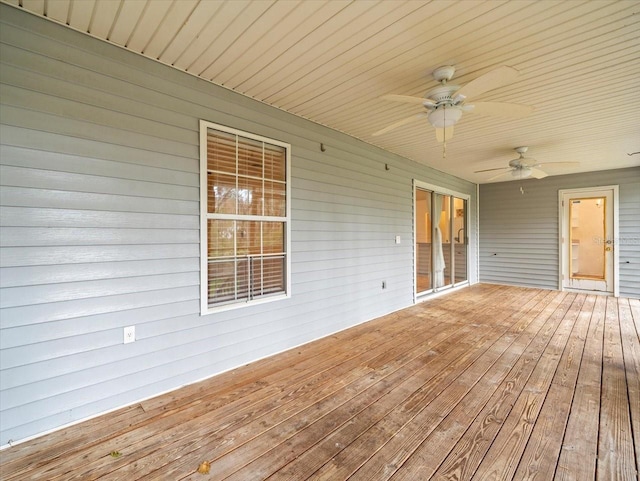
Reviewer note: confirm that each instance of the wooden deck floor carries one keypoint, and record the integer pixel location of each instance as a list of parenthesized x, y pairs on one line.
[(488, 383)]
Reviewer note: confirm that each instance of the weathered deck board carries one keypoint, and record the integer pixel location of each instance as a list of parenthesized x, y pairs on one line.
[(579, 448), (349, 457), (501, 458), (631, 354), (366, 370), (344, 412), (451, 360), (490, 382), (616, 459), (400, 448), (541, 454), (460, 456)]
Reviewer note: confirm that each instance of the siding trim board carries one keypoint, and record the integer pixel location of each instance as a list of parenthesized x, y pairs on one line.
[(100, 200)]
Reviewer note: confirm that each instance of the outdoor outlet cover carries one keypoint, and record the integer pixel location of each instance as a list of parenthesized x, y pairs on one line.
[(129, 334)]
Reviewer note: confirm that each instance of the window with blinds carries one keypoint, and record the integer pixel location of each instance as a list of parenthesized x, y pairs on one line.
[(244, 218)]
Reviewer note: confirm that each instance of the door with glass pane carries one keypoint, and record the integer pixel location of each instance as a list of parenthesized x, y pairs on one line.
[(587, 241), (440, 240)]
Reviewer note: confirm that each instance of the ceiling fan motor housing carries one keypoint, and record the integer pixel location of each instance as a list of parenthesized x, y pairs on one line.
[(445, 112), (443, 93)]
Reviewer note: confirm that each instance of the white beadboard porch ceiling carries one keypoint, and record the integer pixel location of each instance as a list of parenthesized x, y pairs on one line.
[(330, 61)]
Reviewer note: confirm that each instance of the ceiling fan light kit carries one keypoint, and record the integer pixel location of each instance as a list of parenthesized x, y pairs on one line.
[(445, 104), (522, 173), (444, 116)]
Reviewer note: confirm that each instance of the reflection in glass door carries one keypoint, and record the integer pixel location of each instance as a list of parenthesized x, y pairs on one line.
[(423, 240), (441, 241)]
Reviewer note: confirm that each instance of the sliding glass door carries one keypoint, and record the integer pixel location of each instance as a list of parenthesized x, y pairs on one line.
[(440, 240)]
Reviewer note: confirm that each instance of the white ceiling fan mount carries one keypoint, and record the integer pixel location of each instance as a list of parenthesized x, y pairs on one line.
[(443, 93), (444, 73), (445, 104)]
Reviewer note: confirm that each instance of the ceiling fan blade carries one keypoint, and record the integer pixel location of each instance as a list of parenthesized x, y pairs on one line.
[(502, 109), (527, 162), (538, 174), (406, 99), (508, 172), (557, 163), (489, 81), (400, 123), (490, 170), (444, 133)]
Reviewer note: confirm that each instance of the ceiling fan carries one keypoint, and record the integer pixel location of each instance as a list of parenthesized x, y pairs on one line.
[(444, 105), (522, 168)]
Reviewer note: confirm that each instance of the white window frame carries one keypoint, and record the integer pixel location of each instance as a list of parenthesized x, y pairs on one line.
[(204, 216)]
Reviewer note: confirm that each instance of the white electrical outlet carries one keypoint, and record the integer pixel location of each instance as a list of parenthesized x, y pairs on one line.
[(129, 334)]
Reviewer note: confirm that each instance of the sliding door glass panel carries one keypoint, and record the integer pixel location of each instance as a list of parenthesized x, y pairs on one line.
[(441, 240), (423, 241), (447, 237), (460, 239)]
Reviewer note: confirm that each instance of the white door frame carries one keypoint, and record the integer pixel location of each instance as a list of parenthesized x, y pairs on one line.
[(562, 250)]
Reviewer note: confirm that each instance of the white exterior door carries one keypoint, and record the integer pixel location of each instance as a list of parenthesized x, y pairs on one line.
[(588, 240)]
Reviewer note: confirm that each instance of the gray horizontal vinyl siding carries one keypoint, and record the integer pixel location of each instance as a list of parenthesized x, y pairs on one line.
[(99, 209), (519, 232)]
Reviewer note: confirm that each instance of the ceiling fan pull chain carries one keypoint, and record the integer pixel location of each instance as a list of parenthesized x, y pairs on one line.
[(444, 132)]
